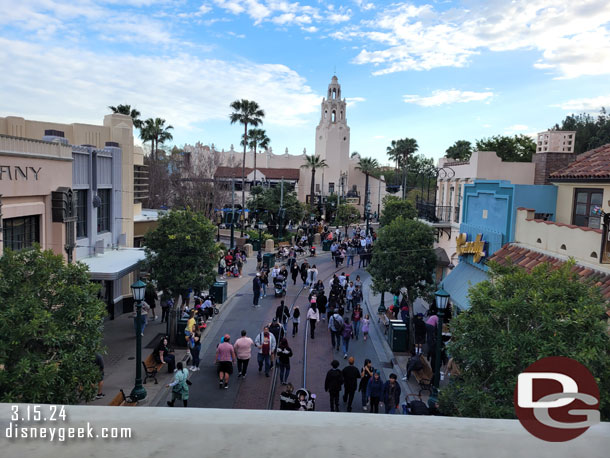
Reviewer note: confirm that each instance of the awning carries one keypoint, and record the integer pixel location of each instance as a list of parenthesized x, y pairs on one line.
[(441, 257), (114, 264), (459, 281)]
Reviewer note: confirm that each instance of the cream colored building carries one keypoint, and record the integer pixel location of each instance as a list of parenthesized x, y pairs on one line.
[(97, 163)]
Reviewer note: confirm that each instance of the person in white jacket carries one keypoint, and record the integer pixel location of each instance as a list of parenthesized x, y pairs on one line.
[(313, 316), (265, 342)]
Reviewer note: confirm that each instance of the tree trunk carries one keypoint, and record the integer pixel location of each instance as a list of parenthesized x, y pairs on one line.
[(255, 165), (313, 184), (243, 180)]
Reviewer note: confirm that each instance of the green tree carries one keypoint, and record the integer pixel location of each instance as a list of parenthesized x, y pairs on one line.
[(156, 132), (591, 132), (127, 110), (50, 329), (330, 206), (519, 148), (347, 214), (258, 138), (515, 319), (313, 163), (247, 113), (393, 207), (461, 150), (180, 252), (403, 257), (400, 150), (265, 203)]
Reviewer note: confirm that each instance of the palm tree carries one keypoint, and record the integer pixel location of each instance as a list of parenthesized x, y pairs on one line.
[(127, 110), (368, 166), (313, 162), (400, 151), (156, 132), (247, 112), (258, 137)]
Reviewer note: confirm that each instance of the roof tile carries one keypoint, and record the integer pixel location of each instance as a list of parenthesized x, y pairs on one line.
[(593, 164)]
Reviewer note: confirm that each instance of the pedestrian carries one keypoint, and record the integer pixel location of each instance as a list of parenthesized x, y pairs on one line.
[(366, 323), (332, 384), (195, 347), (313, 316), (162, 355), (296, 319), (264, 282), (366, 374), (312, 275), (166, 303), (243, 351), (150, 296), (284, 353), (225, 355), (431, 324), (180, 389), (276, 329), (349, 295), (335, 325), (420, 332), (294, 271), (356, 319), (374, 391), (289, 400), (414, 364), (391, 394), (351, 374), (321, 304), (347, 333), (304, 269), (99, 361), (259, 261), (357, 295), (256, 289), (351, 251), (222, 267), (240, 264), (358, 283), (265, 342), (282, 313), (140, 326)]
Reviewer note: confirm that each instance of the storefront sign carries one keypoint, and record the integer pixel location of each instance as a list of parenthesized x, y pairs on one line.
[(475, 248), (16, 173)]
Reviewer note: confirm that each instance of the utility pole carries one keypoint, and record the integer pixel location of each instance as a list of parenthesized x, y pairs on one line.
[(281, 215), (232, 245)]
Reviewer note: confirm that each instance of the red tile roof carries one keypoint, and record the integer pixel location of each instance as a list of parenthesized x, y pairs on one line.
[(274, 174), (528, 259), (592, 165)]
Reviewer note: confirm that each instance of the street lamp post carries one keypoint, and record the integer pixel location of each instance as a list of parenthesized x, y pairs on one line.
[(218, 223), (442, 298), (260, 236), (138, 289), (381, 309)]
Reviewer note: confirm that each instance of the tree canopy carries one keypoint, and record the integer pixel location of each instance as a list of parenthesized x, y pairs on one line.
[(347, 214), (515, 319), (591, 131), (393, 207), (50, 329), (181, 252), (461, 150), (518, 148), (265, 203), (403, 257)]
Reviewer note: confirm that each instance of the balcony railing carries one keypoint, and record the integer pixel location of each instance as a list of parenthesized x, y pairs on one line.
[(436, 214)]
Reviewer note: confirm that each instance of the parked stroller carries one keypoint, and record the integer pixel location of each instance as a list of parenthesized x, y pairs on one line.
[(307, 400), (279, 284)]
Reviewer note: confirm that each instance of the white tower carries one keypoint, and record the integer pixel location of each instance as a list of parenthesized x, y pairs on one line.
[(332, 138)]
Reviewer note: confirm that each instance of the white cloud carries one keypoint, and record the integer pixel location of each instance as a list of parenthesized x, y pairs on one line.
[(592, 104), (572, 38), (351, 101), (517, 128), (182, 88), (312, 29), (444, 97)]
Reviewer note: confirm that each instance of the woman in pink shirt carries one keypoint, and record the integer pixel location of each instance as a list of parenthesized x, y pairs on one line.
[(225, 355), (243, 350)]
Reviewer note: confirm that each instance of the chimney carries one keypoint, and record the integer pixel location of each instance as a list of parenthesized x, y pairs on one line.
[(554, 151), (56, 136)]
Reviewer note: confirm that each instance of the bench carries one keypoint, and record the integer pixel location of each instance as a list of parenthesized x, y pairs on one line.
[(424, 376), (120, 400), (151, 368), (385, 321)]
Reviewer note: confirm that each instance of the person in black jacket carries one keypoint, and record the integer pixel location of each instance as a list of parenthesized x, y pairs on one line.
[(284, 353), (332, 384), (321, 302), (282, 313), (304, 269), (351, 375), (294, 271), (289, 400)]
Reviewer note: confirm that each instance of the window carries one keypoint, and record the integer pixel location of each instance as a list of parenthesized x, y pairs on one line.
[(585, 201), (103, 212), (81, 213), (333, 116), (456, 217), (331, 188), (22, 232)]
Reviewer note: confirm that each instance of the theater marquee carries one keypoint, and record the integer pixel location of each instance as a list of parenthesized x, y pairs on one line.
[(476, 248)]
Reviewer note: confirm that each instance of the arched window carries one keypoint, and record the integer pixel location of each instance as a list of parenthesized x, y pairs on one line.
[(333, 116), (325, 114), (341, 116), (334, 93)]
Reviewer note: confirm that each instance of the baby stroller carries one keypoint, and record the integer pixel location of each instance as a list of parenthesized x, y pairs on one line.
[(415, 406), (279, 284), (307, 400)]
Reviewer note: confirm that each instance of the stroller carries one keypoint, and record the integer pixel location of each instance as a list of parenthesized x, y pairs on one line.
[(414, 407), (307, 400), (279, 284)]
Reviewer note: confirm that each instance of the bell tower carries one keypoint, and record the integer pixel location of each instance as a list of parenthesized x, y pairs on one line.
[(332, 137)]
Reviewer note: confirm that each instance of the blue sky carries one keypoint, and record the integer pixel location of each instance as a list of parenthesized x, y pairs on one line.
[(438, 71)]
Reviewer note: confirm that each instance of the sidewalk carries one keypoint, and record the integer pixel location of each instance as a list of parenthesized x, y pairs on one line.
[(120, 342)]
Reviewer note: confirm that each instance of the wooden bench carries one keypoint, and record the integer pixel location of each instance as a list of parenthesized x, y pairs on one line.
[(424, 376), (151, 368), (120, 400)]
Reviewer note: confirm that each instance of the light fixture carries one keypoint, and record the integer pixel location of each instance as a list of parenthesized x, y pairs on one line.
[(442, 297), (137, 290)]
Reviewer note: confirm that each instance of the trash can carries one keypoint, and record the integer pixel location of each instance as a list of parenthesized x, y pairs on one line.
[(180, 337), (397, 336), (256, 246), (218, 291), (268, 260), (326, 245)]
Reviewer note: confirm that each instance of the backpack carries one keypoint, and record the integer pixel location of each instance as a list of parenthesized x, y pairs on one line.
[(339, 324)]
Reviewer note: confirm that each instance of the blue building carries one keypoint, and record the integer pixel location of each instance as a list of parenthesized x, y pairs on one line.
[(488, 223)]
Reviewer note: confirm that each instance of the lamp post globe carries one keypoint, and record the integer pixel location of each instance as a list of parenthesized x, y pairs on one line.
[(138, 289)]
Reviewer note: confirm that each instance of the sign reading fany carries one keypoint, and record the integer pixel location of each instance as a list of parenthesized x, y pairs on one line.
[(16, 173), (475, 248)]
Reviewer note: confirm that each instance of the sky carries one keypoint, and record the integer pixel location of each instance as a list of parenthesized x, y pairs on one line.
[(437, 71)]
